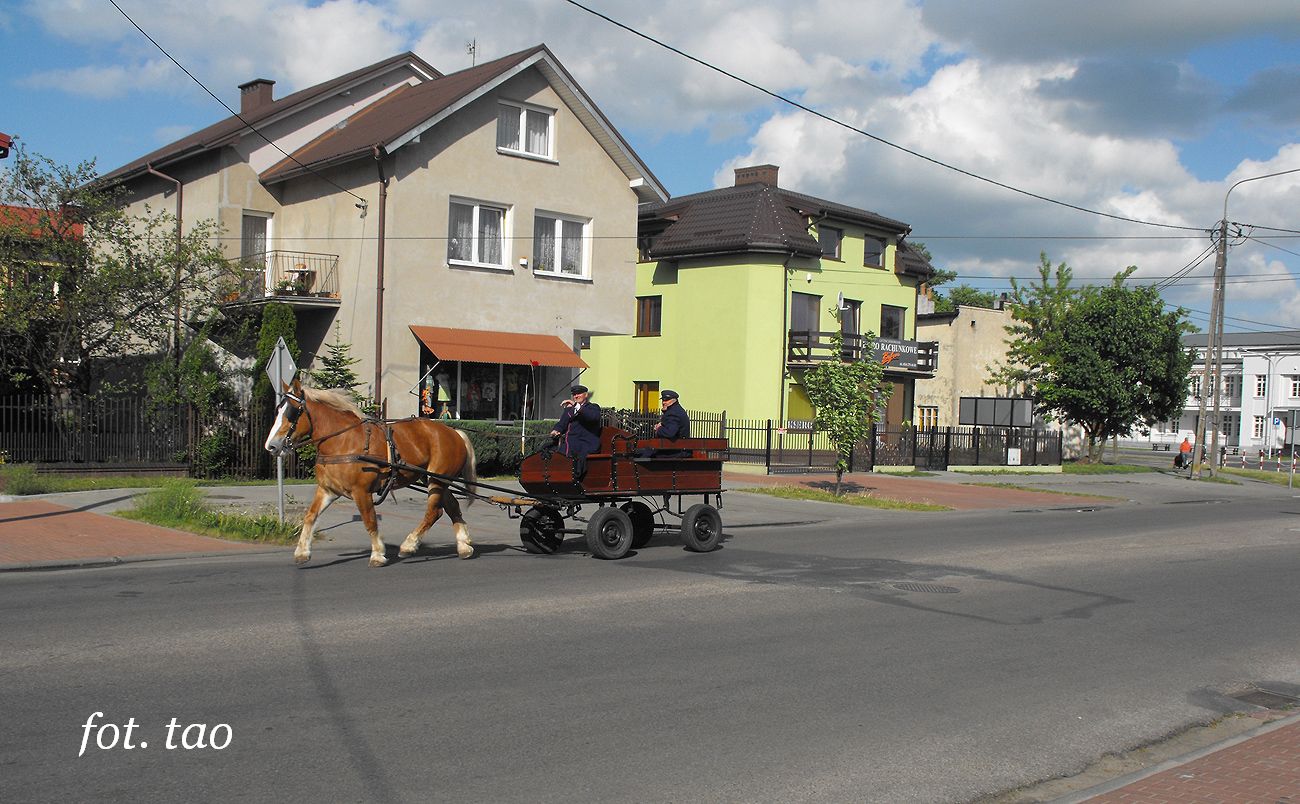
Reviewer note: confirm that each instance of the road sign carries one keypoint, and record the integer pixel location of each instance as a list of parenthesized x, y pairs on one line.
[(280, 368), (1277, 421)]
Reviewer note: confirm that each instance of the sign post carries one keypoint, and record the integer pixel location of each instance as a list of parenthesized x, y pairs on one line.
[(1290, 481), (280, 369)]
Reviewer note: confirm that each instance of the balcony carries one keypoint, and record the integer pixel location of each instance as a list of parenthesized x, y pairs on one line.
[(298, 278), (914, 358)]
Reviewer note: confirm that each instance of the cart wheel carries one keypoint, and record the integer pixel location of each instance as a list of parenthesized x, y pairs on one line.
[(541, 530), (702, 528), (609, 533), (643, 523)]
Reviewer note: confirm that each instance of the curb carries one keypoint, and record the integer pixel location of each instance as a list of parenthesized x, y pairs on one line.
[(1169, 764), (112, 561)]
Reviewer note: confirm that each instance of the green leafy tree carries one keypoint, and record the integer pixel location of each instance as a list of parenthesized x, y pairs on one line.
[(278, 321), (847, 397), (946, 301), (198, 380), (335, 369), (1109, 358), (85, 282)]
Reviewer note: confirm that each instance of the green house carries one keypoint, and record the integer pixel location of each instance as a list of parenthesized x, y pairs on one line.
[(738, 291)]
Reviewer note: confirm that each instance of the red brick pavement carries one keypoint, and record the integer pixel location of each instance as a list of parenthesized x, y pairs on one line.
[(40, 531), (1264, 769), (961, 496)]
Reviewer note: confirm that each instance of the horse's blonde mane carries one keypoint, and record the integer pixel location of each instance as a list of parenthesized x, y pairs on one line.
[(333, 398)]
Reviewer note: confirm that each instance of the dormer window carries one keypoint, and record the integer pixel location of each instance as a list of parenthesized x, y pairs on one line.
[(525, 130)]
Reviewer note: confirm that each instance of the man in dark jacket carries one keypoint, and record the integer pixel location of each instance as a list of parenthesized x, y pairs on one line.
[(578, 431), (673, 424)]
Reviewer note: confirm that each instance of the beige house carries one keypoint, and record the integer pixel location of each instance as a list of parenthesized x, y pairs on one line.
[(466, 232)]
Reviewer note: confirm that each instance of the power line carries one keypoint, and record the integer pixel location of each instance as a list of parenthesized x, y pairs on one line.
[(868, 134), (1272, 245), (247, 124)]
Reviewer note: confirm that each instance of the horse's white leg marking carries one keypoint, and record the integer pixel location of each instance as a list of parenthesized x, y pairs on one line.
[(432, 511), (322, 500), (275, 427), (464, 547), (366, 507)]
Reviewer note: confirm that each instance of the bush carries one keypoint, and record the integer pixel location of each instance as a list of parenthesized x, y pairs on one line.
[(179, 504), (214, 454), (497, 448), (21, 479)]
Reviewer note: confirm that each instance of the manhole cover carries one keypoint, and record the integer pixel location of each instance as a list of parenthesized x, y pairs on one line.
[(932, 588), (1267, 700)]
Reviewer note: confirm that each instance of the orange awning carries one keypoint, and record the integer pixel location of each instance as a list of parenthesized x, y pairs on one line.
[(487, 346)]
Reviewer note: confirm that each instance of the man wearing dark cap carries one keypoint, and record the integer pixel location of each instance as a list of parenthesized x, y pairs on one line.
[(578, 431), (673, 424)]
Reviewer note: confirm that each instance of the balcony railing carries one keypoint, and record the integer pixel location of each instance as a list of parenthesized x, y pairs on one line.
[(288, 276), (807, 348)]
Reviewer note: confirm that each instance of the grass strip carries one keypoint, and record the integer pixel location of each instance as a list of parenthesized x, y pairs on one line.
[(179, 504), (863, 500), (1104, 469), (20, 479), (1277, 478), (1019, 487)]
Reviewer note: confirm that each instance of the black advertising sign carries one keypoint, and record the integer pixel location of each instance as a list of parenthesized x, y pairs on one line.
[(897, 354)]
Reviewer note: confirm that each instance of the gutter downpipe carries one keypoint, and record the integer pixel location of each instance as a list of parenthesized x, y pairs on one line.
[(176, 272), (379, 283)]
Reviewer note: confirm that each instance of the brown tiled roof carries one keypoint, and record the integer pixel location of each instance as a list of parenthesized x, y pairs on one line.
[(748, 217), (911, 262), (392, 116), (221, 133)]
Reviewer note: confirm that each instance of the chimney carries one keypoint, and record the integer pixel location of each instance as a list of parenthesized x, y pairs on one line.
[(255, 94), (757, 174)]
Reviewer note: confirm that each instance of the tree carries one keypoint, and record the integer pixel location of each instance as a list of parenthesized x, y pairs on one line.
[(847, 397), (278, 321), (1109, 358), (960, 294), (336, 368), (84, 281)]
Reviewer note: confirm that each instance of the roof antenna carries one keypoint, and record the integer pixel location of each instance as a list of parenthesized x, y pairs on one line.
[(471, 47)]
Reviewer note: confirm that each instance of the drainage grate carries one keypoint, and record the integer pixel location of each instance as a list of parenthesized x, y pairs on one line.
[(932, 588), (1266, 699)]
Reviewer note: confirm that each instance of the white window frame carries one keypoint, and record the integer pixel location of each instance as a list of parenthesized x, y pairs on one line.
[(558, 220), (476, 260), (522, 149), (1257, 431), (1261, 385), (1295, 386)]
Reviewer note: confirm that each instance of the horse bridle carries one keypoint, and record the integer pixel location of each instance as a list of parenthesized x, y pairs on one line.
[(292, 414)]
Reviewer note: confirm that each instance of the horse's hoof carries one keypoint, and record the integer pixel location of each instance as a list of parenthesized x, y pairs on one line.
[(377, 562), (407, 553), (297, 559), (465, 551)]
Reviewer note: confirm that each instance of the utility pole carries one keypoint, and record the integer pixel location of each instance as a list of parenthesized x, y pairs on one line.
[(1213, 358)]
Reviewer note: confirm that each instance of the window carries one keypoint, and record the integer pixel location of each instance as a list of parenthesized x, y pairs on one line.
[(1261, 384), (892, 321), (927, 418), (476, 234), (525, 130), (1295, 387), (253, 230), (874, 252), (1232, 386), (830, 239), (559, 245), (805, 313), (851, 329), (649, 311), (1257, 431), (1196, 386), (647, 396)]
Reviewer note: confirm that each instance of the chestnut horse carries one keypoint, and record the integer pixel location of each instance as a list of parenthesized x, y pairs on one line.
[(340, 432)]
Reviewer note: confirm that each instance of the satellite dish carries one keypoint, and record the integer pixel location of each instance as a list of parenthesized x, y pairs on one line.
[(841, 300)]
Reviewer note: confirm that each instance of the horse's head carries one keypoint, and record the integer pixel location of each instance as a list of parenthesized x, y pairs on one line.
[(292, 420)]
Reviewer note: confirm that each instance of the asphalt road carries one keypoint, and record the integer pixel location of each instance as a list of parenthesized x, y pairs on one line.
[(824, 654)]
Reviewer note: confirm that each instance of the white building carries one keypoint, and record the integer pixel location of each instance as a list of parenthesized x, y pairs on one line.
[(1259, 394)]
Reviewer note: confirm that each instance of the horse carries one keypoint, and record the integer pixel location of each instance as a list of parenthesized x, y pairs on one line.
[(341, 433)]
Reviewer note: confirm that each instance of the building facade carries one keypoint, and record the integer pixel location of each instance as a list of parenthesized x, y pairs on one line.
[(738, 291), (464, 232)]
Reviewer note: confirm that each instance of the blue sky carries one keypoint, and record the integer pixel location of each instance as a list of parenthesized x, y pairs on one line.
[(1147, 111)]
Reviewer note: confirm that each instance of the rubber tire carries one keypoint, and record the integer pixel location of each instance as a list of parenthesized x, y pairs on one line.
[(609, 533), (541, 530), (702, 528), (643, 523)]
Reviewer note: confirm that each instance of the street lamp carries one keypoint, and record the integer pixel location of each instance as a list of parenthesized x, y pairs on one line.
[(1214, 348)]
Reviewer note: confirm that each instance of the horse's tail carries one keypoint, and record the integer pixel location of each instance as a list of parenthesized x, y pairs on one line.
[(470, 471)]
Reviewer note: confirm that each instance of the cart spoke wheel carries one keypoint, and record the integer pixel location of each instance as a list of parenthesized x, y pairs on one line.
[(643, 523), (609, 533), (702, 528), (541, 530)]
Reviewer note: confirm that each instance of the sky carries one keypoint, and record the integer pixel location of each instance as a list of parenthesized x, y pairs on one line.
[(976, 111)]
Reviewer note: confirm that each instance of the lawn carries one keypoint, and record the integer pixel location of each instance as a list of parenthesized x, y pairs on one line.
[(178, 503), (863, 500), (24, 479)]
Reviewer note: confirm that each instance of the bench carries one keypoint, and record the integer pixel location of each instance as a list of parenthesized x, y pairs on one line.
[(1158, 447)]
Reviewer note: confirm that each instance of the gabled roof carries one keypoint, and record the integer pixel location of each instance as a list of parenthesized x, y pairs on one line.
[(35, 223), (231, 128), (401, 117), (750, 217)]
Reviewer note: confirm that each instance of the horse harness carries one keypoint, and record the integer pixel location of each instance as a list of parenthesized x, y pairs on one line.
[(294, 413)]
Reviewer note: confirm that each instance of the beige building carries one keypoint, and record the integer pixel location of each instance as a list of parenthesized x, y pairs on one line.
[(466, 233), (971, 340)]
